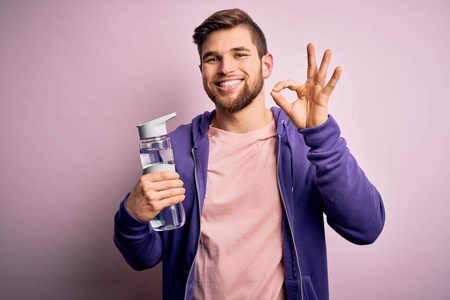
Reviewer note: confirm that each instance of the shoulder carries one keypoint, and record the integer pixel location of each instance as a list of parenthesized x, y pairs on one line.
[(191, 132)]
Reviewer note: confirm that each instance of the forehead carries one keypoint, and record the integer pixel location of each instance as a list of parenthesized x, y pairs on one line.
[(227, 39)]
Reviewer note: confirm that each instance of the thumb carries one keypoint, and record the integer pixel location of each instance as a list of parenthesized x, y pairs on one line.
[(281, 101)]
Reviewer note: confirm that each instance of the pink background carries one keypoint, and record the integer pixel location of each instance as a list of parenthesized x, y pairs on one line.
[(77, 76)]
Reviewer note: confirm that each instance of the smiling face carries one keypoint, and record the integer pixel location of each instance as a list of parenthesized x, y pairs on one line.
[(232, 72)]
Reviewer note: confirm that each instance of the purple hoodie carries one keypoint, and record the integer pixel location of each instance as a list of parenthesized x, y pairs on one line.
[(317, 175)]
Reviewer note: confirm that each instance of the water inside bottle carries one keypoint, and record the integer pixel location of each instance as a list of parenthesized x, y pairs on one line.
[(161, 159), (169, 218), (153, 156)]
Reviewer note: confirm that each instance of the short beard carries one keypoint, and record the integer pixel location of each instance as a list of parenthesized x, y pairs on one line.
[(244, 99)]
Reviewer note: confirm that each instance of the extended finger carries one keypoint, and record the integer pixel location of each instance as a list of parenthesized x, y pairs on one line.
[(312, 65), (322, 74), (333, 81)]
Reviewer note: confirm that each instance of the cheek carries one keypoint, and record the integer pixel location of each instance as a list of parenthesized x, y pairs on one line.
[(253, 67), (206, 79), (207, 74), (204, 75)]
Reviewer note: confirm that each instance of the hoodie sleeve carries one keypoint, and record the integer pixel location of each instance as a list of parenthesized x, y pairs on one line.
[(353, 206), (139, 244)]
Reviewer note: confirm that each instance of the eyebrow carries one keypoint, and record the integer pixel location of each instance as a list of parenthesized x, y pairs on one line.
[(241, 49), (214, 53)]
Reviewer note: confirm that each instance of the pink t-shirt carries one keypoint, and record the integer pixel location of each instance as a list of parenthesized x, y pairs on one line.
[(240, 254)]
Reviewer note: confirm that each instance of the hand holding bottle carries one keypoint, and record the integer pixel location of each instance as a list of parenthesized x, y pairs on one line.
[(154, 192), (157, 195)]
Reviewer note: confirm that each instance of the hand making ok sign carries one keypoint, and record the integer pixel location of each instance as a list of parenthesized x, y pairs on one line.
[(310, 109)]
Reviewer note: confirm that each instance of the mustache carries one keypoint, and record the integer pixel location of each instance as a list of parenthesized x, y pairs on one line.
[(218, 78)]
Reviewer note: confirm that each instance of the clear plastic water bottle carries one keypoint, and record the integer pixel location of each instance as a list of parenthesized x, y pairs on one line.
[(157, 155)]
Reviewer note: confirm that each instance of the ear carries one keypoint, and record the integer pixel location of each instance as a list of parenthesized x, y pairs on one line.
[(200, 67), (267, 65)]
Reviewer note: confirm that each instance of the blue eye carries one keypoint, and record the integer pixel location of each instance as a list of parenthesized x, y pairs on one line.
[(213, 59), (239, 55)]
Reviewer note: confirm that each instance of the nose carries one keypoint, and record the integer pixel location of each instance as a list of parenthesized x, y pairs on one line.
[(226, 66)]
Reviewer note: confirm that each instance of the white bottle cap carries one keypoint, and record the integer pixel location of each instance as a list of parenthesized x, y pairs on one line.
[(154, 128)]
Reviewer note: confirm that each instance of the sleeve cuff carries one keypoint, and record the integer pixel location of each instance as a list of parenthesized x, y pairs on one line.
[(127, 223), (323, 136)]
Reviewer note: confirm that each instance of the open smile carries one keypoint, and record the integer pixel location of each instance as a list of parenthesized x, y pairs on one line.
[(228, 85)]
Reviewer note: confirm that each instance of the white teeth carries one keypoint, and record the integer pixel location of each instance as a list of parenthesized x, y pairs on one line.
[(229, 83)]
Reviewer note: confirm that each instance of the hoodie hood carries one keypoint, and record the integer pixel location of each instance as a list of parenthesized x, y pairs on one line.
[(200, 126)]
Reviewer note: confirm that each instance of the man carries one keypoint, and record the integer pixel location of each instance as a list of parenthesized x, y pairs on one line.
[(255, 182)]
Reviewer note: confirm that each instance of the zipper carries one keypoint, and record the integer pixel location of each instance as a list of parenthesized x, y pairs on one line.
[(199, 224), (285, 210)]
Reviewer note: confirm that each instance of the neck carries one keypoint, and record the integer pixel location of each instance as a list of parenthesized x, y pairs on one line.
[(251, 118)]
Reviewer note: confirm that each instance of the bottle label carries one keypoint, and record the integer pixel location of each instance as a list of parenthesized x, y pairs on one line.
[(158, 168)]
